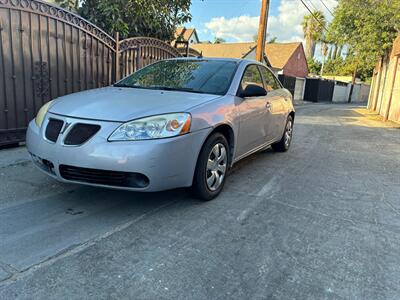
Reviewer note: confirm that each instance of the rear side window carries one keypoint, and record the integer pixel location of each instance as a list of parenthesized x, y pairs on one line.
[(271, 83), (251, 76)]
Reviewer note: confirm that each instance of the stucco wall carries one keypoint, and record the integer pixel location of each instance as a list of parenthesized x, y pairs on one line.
[(340, 93), (299, 89), (384, 97), (360, 92)]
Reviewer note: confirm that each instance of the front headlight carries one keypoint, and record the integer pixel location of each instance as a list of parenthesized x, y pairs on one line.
[(41, 113), (156, 127)]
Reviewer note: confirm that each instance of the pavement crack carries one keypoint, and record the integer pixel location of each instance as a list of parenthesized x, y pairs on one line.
[(21, 163), (313, 211), (7, 270), (77, 248), (388, 204), (7, 267)]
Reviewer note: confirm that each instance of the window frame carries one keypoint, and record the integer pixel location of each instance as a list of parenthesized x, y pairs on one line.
[(273, 76), (239, 89)]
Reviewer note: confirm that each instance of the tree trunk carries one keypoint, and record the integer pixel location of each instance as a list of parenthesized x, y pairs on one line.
[(353, 82), (334, 54), (339, 51), (313, 45), (310, 47), (330, 53)]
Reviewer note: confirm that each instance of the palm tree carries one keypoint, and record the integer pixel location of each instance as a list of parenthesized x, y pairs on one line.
[(219, 40), (313, 28)]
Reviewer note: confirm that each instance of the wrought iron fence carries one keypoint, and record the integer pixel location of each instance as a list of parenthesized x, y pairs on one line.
[(47, 52), (135, 53)]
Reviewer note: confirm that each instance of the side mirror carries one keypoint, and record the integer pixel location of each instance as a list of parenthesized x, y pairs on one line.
[(252, 90)]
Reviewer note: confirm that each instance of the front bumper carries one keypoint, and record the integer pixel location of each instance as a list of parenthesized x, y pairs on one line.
[(167, 163)]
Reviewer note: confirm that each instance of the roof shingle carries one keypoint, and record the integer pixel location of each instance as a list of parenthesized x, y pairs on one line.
[(225, 50), (184, 33), (277, 53)]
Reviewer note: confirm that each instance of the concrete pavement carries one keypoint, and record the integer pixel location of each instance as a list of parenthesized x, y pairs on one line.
[(321, 221)]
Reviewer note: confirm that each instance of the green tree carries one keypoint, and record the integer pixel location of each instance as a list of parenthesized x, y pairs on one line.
[(219, 40), (314, 66), (272, 40), (313, 29), (153, 18), (368, 28), (72, 5), (335, 66)]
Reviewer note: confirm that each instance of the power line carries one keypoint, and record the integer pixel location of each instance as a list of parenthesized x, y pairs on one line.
[(326, 7), (312, 5), (314, 16)]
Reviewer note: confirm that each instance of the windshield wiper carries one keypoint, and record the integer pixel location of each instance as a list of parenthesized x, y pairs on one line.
[(158, 87), (124, 85), (167, 88), (131, 86)]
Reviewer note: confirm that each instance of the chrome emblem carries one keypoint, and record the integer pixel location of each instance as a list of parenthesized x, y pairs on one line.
[(66, 126)]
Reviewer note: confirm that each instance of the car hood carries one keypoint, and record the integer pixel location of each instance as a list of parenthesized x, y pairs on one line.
[(124, 104)]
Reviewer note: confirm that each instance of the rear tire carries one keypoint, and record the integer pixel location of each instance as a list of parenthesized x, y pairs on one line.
[(212, 168), (284, 144)]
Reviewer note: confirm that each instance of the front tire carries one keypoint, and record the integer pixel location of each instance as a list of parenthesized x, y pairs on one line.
[(284, 144), (211, 169)]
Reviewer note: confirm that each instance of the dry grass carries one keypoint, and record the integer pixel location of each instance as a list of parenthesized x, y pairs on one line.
[(371, 118)]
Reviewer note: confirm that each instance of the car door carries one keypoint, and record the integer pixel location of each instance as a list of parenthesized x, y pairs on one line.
[(252, 110), (277, 112)]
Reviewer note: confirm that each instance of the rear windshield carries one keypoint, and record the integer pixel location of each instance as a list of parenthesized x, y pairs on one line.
[(197, 76)]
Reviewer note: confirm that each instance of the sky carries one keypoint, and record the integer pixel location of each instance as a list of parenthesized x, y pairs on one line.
[(237, 20)]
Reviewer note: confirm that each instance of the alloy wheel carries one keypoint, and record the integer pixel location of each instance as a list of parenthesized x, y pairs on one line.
[(288, 133), (216, 167)]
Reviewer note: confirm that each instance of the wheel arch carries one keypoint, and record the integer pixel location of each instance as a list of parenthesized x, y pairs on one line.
[(292, 114), (227, 131)]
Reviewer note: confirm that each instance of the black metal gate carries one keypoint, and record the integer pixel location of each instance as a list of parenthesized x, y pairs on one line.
[(47, 52), (319, 90), (288, 82)]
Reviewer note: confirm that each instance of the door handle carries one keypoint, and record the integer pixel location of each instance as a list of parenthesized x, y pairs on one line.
[(268, 105)]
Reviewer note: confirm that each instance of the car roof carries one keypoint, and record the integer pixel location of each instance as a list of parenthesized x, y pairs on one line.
[(237, 60)]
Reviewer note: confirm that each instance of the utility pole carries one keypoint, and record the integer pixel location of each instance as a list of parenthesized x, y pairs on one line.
[(353, 82), (324, 51), (262, 30)]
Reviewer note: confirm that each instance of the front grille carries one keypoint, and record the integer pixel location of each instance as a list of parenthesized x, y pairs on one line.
[(53, 129), (80, 133), (105, 177)]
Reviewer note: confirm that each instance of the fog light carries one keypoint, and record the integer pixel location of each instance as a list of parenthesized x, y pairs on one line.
[(137, 180)]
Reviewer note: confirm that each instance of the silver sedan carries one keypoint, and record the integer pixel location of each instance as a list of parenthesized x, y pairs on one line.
[(175, 123)]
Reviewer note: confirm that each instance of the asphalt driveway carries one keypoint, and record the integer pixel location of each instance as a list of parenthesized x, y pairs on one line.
[(321, 221)]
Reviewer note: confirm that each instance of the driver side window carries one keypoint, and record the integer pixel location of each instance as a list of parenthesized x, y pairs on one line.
[(251, 76)]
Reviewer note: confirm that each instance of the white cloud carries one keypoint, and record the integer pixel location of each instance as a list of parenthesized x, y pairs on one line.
[(240, 28), (286, 25)]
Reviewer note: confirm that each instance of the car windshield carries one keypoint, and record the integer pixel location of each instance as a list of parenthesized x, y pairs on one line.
[(196, 76)]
